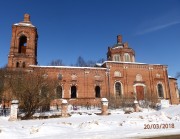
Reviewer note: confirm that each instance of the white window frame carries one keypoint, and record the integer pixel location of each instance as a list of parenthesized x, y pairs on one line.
[(122, 92), (127, 57), (116, 57), (162, 90)]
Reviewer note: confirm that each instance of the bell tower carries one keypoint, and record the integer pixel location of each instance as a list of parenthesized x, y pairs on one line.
[(23, 49), (121, 52)]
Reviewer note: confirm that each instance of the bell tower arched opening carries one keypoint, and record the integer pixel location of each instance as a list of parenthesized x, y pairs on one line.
[(22, 44)]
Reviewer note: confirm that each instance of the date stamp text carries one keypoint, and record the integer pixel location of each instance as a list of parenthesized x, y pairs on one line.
[(159, 126)]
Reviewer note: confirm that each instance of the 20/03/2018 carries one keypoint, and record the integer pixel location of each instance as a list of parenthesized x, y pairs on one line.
[(159, 126)]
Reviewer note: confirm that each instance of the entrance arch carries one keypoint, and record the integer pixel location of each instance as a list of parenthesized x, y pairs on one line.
[(139, 90)]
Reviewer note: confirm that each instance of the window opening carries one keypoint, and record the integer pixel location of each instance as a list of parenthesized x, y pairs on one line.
[(118, 89), (73, 92), (59, 92), (97, 90), (160, 91)]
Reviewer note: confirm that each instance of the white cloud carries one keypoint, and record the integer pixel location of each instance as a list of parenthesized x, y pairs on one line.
[(158, 27)]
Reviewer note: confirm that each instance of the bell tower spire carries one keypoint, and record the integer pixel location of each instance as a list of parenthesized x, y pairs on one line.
[(23, 49), (26, 18)]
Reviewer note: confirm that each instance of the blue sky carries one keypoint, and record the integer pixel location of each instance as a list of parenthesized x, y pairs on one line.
[(71, 28)]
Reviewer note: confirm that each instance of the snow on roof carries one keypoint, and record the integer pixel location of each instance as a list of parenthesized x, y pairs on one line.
[(24, 24), (131, 63), (99, 64), (70, 67), (171, 77), (116, 47)]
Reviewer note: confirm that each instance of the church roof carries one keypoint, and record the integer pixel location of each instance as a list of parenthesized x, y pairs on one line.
[(135, 63), (26, 22), (69, 67), (119, 45)]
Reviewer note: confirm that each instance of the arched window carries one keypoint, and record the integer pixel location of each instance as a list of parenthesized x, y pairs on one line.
[(17, 65), (160, 90), (24, 65), (118, 90), (127, 57), (59, 92), (133, 59), (73, 92), (22, 44), (97, 91), (116, 57)]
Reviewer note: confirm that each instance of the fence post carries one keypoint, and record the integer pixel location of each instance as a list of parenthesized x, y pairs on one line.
[(104, 106), (136, 106), (64, 108), (13, 112)]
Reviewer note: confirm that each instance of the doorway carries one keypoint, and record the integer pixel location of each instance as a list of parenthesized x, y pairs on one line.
[(140, 92)]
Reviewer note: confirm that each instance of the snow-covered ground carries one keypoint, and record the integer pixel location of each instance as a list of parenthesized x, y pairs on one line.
[(85, 124)]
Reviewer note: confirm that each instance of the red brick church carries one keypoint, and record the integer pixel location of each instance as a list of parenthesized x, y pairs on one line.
[(119, 76)]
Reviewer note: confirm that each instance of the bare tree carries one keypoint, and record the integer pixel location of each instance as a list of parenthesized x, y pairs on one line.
[(57, 62), (34, 90), (81, 62), (101, 60), (1, 84), (90, 63)]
